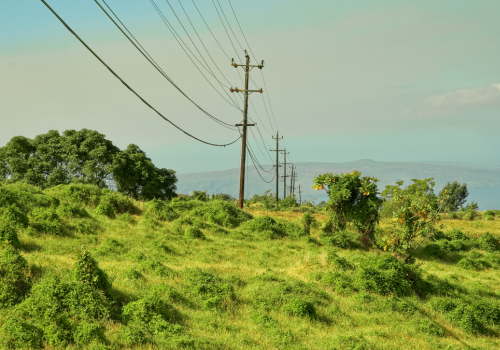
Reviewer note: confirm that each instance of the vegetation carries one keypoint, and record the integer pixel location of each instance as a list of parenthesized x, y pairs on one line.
[(85, 267)]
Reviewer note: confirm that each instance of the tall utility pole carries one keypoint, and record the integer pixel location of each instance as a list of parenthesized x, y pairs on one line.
[(300, 196), (284, 172), (247, 68), (277, 150), (292, 179)]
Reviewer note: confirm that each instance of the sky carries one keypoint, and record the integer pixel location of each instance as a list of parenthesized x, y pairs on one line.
[(346, 80)]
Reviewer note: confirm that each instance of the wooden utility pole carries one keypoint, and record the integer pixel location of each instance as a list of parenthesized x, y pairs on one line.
[(277, 150), (300, 196), (284, 172), (292, 180), (247, 68)]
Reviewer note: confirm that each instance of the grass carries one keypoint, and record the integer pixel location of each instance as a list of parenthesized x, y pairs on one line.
[(233, 288)]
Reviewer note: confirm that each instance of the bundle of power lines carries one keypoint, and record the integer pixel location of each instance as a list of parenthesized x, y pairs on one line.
[(220, 84)]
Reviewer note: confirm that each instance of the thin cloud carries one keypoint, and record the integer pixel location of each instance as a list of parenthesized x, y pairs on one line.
[(468, 97)]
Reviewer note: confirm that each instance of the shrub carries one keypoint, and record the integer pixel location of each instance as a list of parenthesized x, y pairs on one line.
[(469, 264), (352, 343), (87, 226), (212, 291), (221, 213), (84, 194), (488, 243), (433, 250), (428, 327), (106, 208), (17, 333), (71, 210), (46, 220), (300, 308), (118, 201), (339, 262), (86, 332), (307, 220), (127, 218), (14, 276), (9, 234), (160, 210), (14, 217), (193, 233), (463, 317), (270, 228), (387, 275), (340, 282), (110, 246), (87, 271), (456, 234), (156, 267)]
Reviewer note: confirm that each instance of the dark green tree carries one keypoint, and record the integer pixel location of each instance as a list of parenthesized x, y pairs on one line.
[(456, 195), (136, 175)]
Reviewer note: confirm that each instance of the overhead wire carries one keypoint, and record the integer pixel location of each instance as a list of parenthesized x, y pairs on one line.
[(179, 40), (156, 65), (126, 85)]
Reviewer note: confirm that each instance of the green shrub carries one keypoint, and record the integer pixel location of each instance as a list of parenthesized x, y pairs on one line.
[(83, 194), (9, 234), (181, 204), (433, 250), (87, 271), (110, 246), (193, 233), (425, 326), (443, 304), (119, 202), (488, 243), (133, 274), (46, 220), (307, 220), (470, 215), (156, 267), (221, 213), (340, 282), (72, 210), (127, 218), (87, 226), (17, 333), (14, 276), (469, 264), (161, 210), (86, 332), (268, 227), (14, 217), (456, 234), (462, 316), (352, 343), (339, 262), (213, 292), (300, 308), (387, 275), (106, 208)]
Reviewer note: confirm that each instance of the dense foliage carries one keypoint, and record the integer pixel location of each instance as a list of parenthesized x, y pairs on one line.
[(87, 157)]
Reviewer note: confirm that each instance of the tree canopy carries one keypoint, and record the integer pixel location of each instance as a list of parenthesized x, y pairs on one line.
[(84, 156)]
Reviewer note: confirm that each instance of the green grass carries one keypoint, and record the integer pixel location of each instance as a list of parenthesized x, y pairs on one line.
[(207, 276)]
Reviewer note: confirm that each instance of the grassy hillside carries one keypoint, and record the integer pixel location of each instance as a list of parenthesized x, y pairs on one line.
[(205, 275)]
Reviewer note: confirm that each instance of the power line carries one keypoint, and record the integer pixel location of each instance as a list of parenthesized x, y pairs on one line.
[(231, 28), (157, 67), (216, 9), (241, 29), (124, 83)]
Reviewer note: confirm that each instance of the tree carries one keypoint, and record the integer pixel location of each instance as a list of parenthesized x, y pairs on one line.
[(457, 196), (354, 199), (136, 175)]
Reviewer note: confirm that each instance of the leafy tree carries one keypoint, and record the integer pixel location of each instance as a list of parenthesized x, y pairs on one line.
[(416, 216), (353, 198), (136, 175), (457, 195)]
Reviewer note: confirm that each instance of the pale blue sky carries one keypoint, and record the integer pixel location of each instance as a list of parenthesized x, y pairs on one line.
[(386, 80)]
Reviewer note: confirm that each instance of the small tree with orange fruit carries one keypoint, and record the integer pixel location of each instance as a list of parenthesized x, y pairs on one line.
[(353, 199)]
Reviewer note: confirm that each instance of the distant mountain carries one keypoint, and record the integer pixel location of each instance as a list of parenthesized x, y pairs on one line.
[(478, 175)]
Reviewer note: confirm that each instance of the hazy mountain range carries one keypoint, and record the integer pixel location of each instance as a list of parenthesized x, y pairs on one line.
[(485, 177)]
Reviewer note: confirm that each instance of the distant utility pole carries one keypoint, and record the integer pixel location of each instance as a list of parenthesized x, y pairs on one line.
[(277, 150), (292, 180), (300, 196), (284, 172), (247, 69)]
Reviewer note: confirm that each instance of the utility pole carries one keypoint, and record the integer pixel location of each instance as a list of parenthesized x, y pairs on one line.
[(277, 150), (247, 69), (300, 196), (292, 180), (284, 172)]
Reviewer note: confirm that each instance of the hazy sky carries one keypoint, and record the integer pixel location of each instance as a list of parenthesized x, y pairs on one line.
[(384, 80)]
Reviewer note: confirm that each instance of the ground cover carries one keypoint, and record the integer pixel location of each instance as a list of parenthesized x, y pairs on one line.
[(93, 269)]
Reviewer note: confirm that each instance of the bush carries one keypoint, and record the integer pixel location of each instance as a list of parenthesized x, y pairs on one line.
[(340, 282), (488, 243), (342, 239), (17, 333), (387, 275), (352, 343), (463, 317), (9, 234), (14, 217), (433, 250), (193, 233), (87, 271), (71, 210), (469, 264), (86, 332), (46, 220), (456, 234), (160, 210), (221, 213), (270, 228), (110, 246), (300, 308), (87, 226), (84, 194), (14, 276), (212, 291), (428, 327)]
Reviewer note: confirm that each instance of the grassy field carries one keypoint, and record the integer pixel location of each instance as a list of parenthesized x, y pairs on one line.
[(208, 276)]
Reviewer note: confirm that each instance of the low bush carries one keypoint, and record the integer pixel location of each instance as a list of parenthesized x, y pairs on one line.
[(340, 282), (9, 234), (212, 291), (14, 276), (17, 333), (84, 194), (469, 264), (46, 220), (193, 233), (87, 226), (426, 326), (387, 275), (488, 243), (72, 210), (350, 342), (221, 213), (14, 217), (267, 227), (456, 234), (160, 210), (300, 308), (342, 239), (110, 246), (86, 270)]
